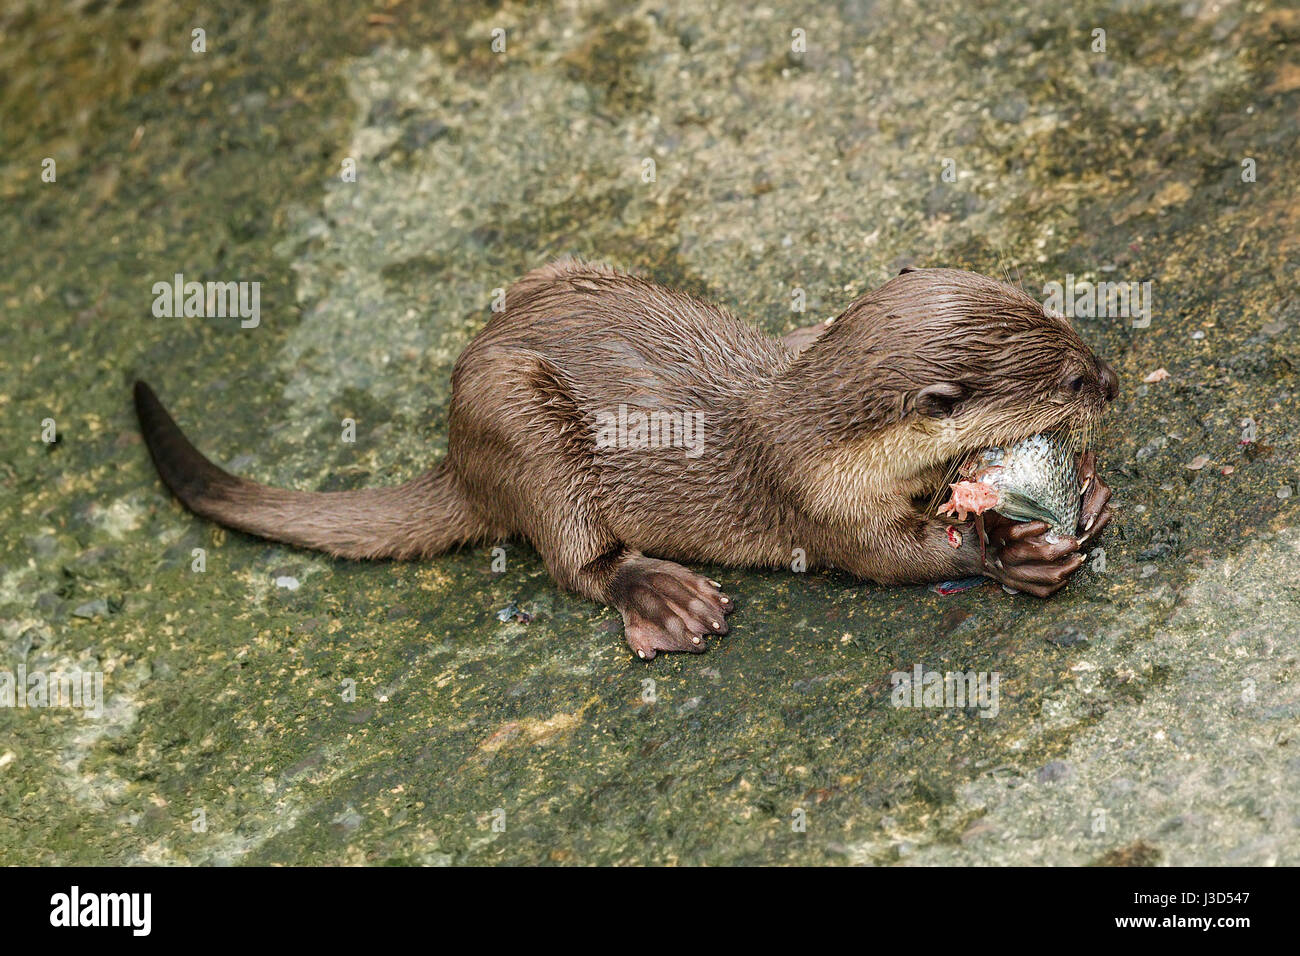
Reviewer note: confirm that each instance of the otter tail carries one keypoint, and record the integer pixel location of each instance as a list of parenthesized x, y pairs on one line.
[(427, 515)]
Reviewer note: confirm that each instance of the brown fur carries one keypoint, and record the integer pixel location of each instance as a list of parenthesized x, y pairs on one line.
[(822, 444)]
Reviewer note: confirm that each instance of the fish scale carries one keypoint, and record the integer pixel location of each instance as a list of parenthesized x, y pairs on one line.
[(1036, 480)]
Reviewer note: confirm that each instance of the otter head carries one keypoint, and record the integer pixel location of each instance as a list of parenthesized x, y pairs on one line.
[(1000, 366), (938, 363)]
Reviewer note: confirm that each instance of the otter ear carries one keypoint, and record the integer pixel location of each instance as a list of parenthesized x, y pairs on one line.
[(906, 269), (938, 400)]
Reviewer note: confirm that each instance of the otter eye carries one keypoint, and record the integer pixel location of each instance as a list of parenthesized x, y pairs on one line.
[(1076, 382)]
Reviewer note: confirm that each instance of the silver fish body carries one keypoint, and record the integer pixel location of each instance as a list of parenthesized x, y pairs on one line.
[(1036, 480)]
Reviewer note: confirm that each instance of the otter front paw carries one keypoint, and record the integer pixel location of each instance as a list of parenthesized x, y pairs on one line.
[(1021, 556), (1095, 512), (665, 607)]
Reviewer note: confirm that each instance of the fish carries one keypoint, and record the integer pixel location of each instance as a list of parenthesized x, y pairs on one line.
[(1033, 480)]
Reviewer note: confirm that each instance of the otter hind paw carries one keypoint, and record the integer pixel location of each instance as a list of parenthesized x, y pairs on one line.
[(665, 607)]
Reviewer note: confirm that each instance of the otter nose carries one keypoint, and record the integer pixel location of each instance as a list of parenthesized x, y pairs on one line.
[(1109, 381)]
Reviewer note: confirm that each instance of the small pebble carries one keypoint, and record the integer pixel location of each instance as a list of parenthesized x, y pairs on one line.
[(512, 612), (1056, 770), (287, 581), (348, 820), (1068, 637), (95, 608)]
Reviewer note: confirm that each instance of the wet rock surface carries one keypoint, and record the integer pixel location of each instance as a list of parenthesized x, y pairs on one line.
[(385, 713)]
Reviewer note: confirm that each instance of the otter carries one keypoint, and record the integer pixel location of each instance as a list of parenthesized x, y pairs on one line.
[(833, 444)]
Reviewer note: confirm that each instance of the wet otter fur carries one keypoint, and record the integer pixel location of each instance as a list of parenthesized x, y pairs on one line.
[(833, 443)]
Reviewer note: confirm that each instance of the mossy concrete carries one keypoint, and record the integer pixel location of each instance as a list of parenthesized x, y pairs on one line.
[(1148, 713)]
